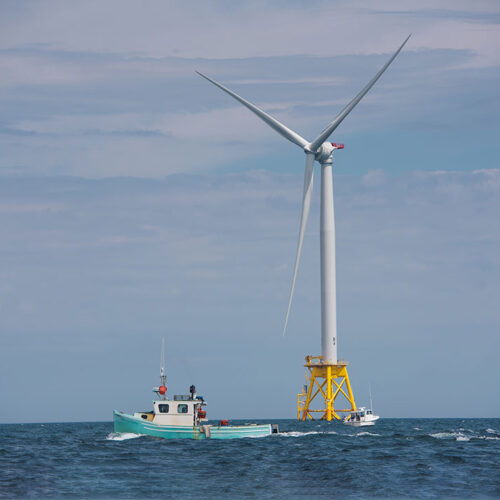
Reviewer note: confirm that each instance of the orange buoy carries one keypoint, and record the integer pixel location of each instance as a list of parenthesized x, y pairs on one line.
[(162, 389)]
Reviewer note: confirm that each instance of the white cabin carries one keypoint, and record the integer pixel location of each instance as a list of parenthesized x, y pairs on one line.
[(182, 410)]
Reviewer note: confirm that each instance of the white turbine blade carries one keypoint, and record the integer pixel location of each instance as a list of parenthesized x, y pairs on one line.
[(338, 119), (272, 122), (306, 204)]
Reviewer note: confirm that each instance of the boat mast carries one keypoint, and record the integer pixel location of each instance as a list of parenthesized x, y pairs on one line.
[(163, 377), (162, 390)]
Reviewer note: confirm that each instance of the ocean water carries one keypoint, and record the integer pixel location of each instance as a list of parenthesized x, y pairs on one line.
[(415, 458)]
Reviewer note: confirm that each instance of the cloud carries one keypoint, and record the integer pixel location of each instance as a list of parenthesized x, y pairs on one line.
[(173, 28), (126, 124), (116, 94), (373, 178)]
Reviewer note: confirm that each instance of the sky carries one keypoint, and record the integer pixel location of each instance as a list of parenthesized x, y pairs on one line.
[(137, 201)]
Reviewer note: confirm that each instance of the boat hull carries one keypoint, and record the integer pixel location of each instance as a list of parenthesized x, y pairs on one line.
[(364, 422), (359, 424), (127, 423)]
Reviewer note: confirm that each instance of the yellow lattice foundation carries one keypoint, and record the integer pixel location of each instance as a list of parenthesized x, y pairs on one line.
[(325, 381)]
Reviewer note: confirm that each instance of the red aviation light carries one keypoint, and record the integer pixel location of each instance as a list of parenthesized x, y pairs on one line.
[(337, 145)]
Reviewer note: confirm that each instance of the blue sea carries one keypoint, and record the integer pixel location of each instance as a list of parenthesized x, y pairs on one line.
[(409, 458)]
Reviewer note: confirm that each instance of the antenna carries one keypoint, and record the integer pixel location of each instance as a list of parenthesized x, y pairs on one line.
[(163, 377), (370, 390)]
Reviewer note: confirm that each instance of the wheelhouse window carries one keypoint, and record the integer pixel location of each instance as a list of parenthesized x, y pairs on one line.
[(163, 408), (182, 408)]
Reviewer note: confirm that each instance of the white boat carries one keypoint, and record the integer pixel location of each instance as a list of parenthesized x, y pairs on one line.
[(362, 417)]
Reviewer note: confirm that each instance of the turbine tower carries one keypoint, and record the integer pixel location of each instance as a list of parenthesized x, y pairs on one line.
[(326, 375)]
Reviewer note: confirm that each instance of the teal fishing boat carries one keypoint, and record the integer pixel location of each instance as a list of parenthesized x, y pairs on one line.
[(183, 417)]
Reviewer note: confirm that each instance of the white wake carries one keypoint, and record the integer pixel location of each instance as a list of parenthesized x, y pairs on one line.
[(122, 436)]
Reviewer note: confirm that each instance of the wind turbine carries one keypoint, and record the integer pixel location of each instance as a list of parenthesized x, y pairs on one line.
[(325, 369)]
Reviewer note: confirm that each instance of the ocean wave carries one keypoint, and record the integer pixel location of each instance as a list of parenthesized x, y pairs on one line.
[(365, 433), (460, 436), (301, 434), (491, 431), (445, 435), (122, 436)]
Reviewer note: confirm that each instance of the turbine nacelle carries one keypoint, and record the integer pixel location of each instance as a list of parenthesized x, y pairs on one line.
[(324, 153)]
